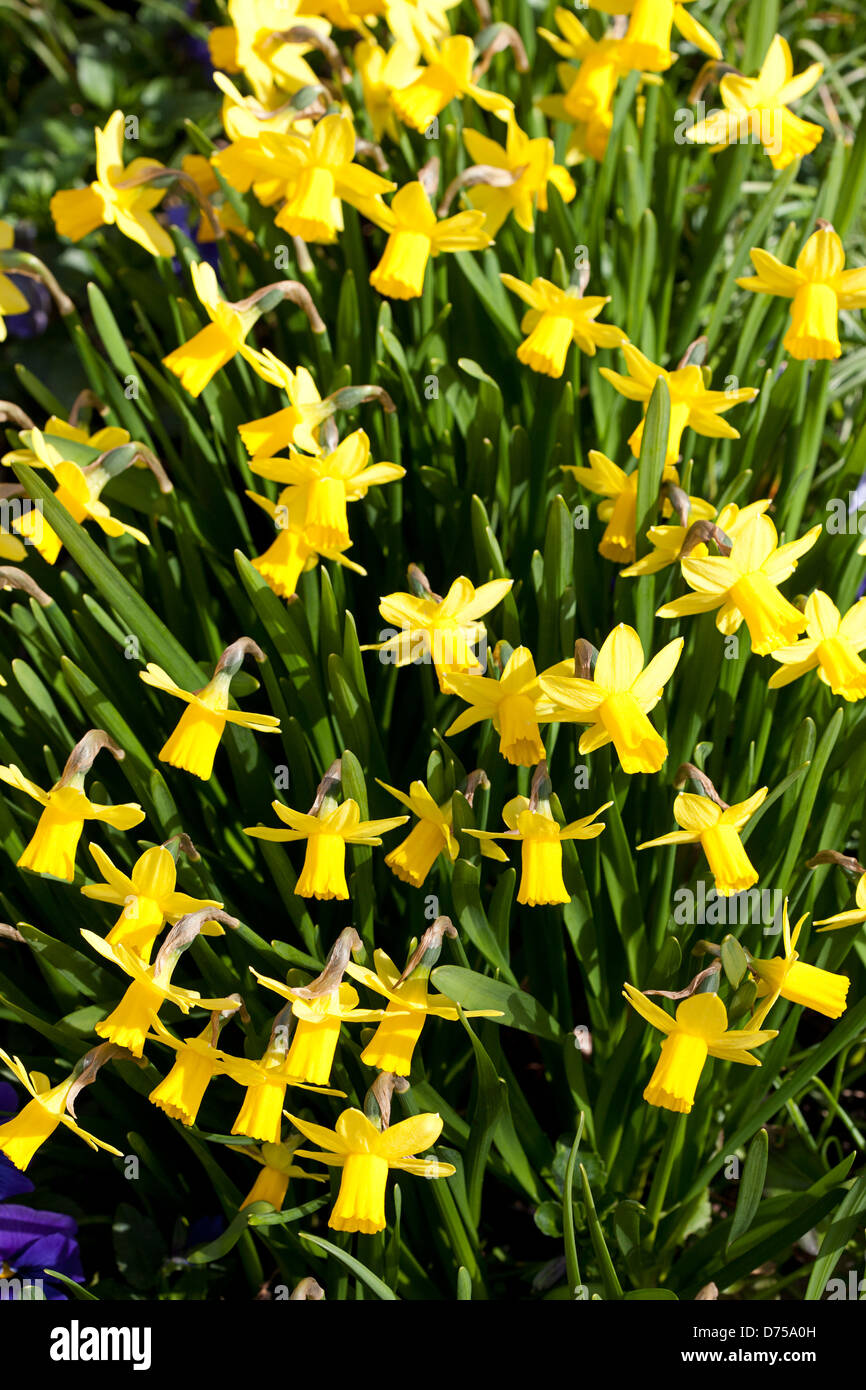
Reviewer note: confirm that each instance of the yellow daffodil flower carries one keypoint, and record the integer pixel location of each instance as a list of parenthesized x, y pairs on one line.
[(326, 483), (819, 286), (65, 808), (192, 747), (383, 73), (327, 176), (115, 197), (78, 490), (448, 74), (791, 978), (292, 552), (297, 423), (532, 164), (667, 541), (414, 235), (693, 406), (246, 117), (266, 1082), (413, 859), (181, 1091), (717, 830), (756, 109), (617, 700), (27, 1131), (417, 22), (442, 630), (586, 101), (831, 646), (318, 1019), (853, 917), (197, 361), (515, 703), (39, 451), (365, 1154), (557, 318), (278, 1166), (409, 1002), (326, 834), (647, 41), (619, 509), (147, 895), (699, 1030), (252, 44), (12, 301), (128, 1024), (743, 585), (541, 839)]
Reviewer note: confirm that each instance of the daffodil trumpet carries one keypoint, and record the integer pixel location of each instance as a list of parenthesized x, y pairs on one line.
[(197, 1061), (789, 977)]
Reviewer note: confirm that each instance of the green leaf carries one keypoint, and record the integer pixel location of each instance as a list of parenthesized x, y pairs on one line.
[(518, 1009), (367, 1277), (751, 1188)]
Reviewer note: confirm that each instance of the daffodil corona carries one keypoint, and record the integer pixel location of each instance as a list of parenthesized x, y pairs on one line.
[(788, 977)]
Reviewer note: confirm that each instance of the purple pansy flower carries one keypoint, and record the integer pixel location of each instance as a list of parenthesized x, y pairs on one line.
[(33, 1241)]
